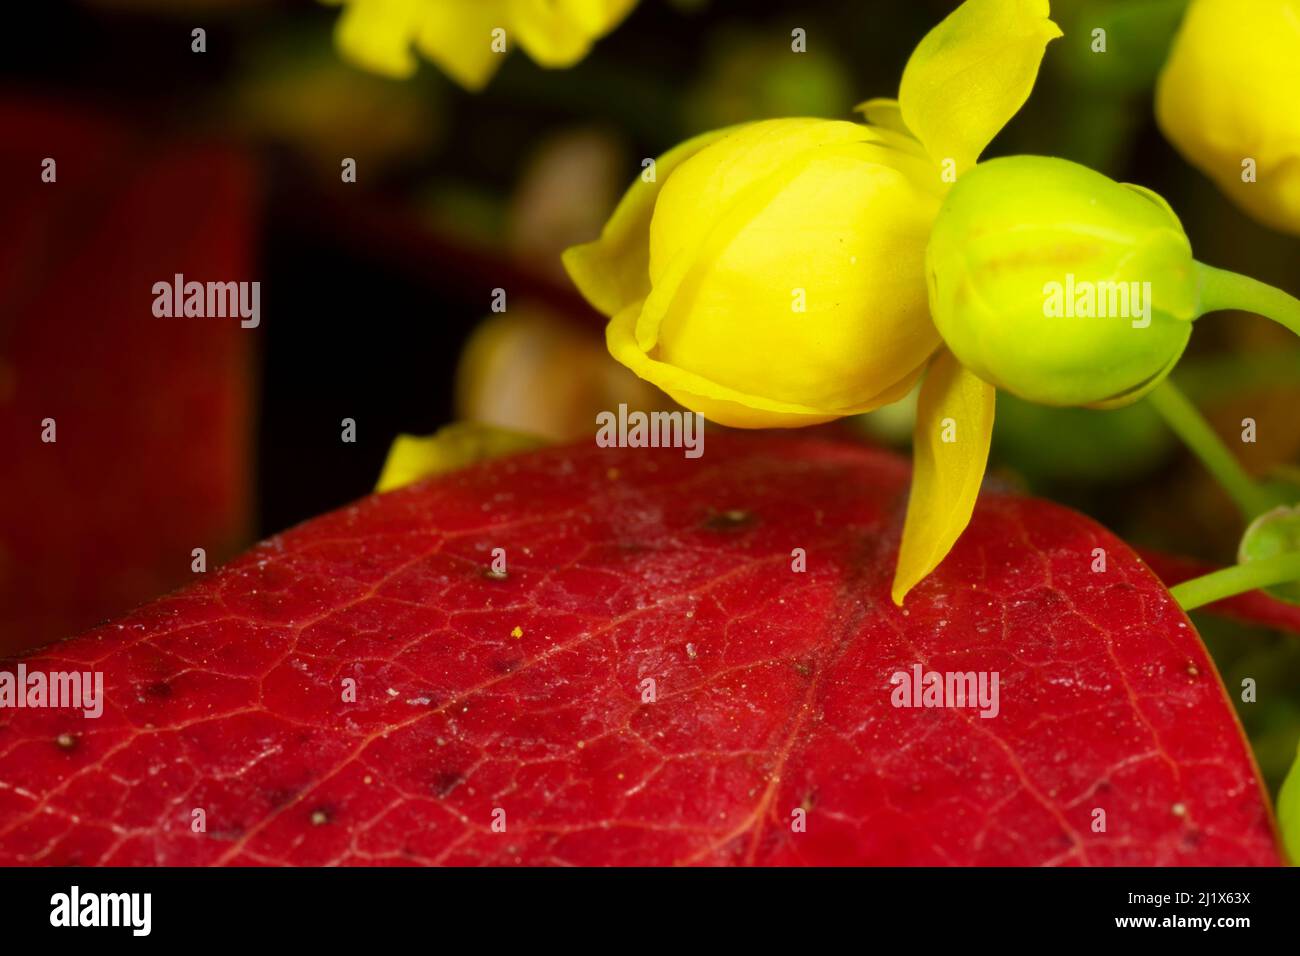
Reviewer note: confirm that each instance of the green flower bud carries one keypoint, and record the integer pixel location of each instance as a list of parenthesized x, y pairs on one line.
[(1272, 535), (1060, 285)]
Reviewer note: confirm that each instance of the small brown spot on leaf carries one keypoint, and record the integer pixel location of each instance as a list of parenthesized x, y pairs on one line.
[(446, 781), (734, 519)]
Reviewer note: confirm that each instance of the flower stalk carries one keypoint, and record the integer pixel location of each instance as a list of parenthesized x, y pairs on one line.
[(1190, 426), (1235, 580), (1221, 289)]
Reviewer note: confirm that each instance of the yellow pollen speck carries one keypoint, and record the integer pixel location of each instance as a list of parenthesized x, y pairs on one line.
[(517, 632)]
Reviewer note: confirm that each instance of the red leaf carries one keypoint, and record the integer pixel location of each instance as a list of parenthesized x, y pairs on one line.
[(153, 449), (773, 687)]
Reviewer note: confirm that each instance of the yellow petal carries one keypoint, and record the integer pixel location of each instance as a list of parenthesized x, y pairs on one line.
[(376, 35), (596, 17), (845, 228), (450, 448), (718, 403), (382, 35), (950, 449), (884, 113), (558, 33), (457, 36), (614, 270), (702, 191), (971, 73)]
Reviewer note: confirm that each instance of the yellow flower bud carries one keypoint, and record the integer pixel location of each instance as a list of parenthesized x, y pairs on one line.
[(1227, 100), (1060, 285), (783, 273)]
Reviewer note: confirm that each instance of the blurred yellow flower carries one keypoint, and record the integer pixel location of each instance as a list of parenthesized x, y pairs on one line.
[(1227, 100), (467, 39), (773, 274), (412, 458)]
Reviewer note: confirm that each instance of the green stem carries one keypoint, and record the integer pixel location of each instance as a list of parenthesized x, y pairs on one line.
[(1221, 289), (1189, 425), (1238, 579)]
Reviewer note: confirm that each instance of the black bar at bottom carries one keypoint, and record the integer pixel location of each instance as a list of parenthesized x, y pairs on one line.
[(608, 909)]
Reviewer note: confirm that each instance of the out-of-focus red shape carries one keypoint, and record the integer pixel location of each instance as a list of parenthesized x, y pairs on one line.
[(361, 691), (1253, 607), (153, 449)]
